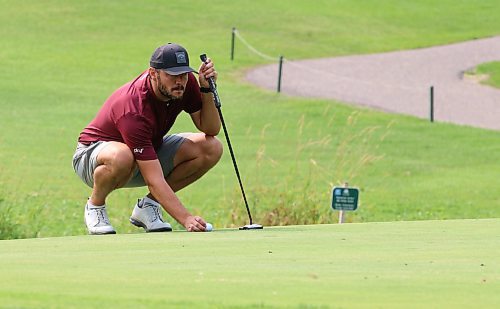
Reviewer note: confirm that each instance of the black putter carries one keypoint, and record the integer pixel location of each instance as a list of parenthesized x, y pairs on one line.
[(213, 88)]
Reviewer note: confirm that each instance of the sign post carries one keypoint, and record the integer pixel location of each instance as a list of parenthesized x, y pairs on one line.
[(344, 199)]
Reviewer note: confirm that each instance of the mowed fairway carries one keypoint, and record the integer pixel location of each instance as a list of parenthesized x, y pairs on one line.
[(420, 264)]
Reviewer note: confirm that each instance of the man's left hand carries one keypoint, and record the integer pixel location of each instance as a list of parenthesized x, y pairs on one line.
[(206, 71)]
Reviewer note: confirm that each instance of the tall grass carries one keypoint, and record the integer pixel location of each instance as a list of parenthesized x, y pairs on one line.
[(19, 223), (301, 196), (8, 228)]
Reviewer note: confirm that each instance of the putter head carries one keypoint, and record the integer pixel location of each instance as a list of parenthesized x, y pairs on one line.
[(252, 227)]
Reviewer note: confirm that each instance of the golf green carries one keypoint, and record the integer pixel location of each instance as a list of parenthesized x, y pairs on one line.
[(417, 264)]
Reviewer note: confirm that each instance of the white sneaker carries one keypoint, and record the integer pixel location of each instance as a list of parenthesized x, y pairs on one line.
[(147, 214), (97, 221)]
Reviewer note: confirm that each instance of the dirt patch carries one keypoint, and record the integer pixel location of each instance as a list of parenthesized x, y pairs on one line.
[(476, 78)]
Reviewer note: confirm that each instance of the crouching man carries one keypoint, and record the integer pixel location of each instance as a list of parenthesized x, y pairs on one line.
[(126, 144)]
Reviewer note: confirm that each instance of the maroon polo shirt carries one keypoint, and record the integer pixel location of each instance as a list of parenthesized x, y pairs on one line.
[(134, 116)]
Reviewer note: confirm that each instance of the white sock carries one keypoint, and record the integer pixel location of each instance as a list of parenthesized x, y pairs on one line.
[(94, 206), (150, 201)]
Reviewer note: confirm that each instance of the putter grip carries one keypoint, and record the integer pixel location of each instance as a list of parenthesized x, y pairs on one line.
[(203, 58)]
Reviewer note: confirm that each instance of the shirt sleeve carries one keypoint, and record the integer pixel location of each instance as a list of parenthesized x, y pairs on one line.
[(192, 95), (137, 133)]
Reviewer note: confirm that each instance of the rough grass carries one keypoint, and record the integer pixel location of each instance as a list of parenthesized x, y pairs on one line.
[(61, 59)]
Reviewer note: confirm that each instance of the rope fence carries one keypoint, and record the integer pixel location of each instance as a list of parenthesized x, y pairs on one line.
[(250, 47), (281, 60)]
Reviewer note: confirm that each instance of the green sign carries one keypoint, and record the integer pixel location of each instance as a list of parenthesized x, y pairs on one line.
[(345, 198)]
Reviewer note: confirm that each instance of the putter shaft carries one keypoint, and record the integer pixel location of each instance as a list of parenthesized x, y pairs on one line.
[(218, 104)]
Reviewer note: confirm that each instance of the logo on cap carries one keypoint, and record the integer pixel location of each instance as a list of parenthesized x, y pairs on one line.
[(181, 57)]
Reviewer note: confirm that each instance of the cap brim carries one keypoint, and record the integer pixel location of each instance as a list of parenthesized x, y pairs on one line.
[(179, 70)]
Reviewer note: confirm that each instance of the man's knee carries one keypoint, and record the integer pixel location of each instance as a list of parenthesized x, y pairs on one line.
[(202, 151), (212, 150), (118, 157)]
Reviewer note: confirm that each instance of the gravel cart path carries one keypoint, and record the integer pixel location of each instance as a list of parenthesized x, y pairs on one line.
[(399, 82)]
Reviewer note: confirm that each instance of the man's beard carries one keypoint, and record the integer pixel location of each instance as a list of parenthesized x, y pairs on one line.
[(164, 92)]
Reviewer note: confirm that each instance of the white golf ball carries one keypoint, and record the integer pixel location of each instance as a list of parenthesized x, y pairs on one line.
[(208, 227)]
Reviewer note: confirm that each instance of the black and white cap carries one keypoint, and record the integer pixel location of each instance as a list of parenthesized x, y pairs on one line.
[(171, 58)]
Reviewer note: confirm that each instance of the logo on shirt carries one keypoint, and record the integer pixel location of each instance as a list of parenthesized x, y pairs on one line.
[(138, 150), (181, 57)]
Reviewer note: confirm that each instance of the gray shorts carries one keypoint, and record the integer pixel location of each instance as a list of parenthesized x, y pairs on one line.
[(85, 160)]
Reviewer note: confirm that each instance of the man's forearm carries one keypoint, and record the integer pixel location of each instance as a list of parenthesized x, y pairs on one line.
[(210, 121), (169, 201)]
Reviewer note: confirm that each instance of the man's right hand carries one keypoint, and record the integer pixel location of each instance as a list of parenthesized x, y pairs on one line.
[(195, 224)]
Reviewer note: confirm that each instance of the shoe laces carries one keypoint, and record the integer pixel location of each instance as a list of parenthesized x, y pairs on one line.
[(154, 210), (102, 215)]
